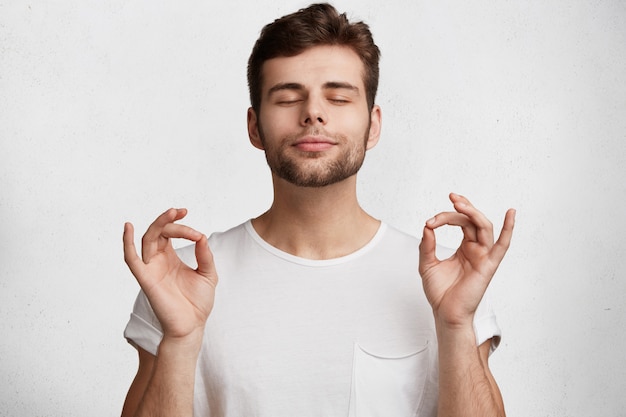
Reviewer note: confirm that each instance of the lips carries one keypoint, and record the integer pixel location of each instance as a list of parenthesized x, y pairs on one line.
[(314, 143)]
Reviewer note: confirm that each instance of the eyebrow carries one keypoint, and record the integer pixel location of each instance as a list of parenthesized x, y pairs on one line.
[(330, 85)]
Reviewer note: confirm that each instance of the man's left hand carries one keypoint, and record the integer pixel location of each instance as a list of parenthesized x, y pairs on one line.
[(455, 286)]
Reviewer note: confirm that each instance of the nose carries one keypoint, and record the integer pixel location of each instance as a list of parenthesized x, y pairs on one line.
[(313, 113)]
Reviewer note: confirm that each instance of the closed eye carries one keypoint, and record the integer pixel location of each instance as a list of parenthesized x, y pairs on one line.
[(285, 94), (288, 102), (339, 100)]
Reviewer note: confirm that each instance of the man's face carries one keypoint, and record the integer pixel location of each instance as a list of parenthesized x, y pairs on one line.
[(314, 123)]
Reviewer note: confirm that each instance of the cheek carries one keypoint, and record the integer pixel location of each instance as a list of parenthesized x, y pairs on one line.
[(356, 124), (275, 122)]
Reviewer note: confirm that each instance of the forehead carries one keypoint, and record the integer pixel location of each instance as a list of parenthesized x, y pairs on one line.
[(315, 67)]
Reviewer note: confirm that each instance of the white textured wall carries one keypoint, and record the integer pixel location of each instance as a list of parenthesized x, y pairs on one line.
[(115, 110)]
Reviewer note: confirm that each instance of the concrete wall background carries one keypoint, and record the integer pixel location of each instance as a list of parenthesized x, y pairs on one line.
[(116, 110)]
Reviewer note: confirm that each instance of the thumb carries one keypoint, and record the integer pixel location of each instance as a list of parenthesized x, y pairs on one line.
[(204, 258), (427, 249)]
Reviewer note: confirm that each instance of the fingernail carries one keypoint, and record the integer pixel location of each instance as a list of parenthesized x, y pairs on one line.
[(431, 220)]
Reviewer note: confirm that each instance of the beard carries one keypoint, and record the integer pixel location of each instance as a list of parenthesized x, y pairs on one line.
[(313, 169)]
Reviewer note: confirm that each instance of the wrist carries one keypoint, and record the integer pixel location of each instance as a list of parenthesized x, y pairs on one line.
[(453, 321), (455, 333), (187, 346)]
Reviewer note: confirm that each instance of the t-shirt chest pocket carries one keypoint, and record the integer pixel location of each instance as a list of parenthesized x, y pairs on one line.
[(385, 386)]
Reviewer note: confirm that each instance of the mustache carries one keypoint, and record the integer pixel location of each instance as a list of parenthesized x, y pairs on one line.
[(316, 131)]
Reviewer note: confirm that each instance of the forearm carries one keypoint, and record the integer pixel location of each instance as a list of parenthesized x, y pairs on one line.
[(466, 387), (171, 387)]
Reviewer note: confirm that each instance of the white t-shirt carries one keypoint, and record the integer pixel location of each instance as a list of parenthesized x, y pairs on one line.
[(346, 337)]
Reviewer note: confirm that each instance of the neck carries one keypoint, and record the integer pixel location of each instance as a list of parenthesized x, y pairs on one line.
[(316, 223)]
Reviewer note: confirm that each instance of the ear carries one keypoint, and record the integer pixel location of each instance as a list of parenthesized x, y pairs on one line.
[(376, 120), (253, 129)]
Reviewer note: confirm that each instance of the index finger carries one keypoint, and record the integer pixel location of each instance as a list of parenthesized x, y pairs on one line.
[(484, 228), (180, 231), (154, 240), (168, 216), (454, 219)]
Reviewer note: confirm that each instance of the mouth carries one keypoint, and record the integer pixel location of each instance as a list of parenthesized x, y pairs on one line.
[(314, 143)]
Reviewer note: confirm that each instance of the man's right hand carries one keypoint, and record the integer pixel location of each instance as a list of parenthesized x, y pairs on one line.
[(181, 297)]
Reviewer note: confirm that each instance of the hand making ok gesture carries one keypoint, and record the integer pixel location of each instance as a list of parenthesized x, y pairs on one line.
[(455, 286), (181, 297)]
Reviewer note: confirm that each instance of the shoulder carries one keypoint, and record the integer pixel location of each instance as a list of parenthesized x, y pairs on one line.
[(393, 234), (391, 246), (234, 235), (219, 242), (397, 239)]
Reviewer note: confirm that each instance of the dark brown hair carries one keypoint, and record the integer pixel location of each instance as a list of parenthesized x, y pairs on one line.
[(316, 25)]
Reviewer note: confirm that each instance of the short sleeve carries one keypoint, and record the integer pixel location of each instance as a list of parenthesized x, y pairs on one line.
[(143, 329), (485, 324)]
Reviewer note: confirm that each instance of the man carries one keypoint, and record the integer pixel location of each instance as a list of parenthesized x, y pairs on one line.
[(320, 310)]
